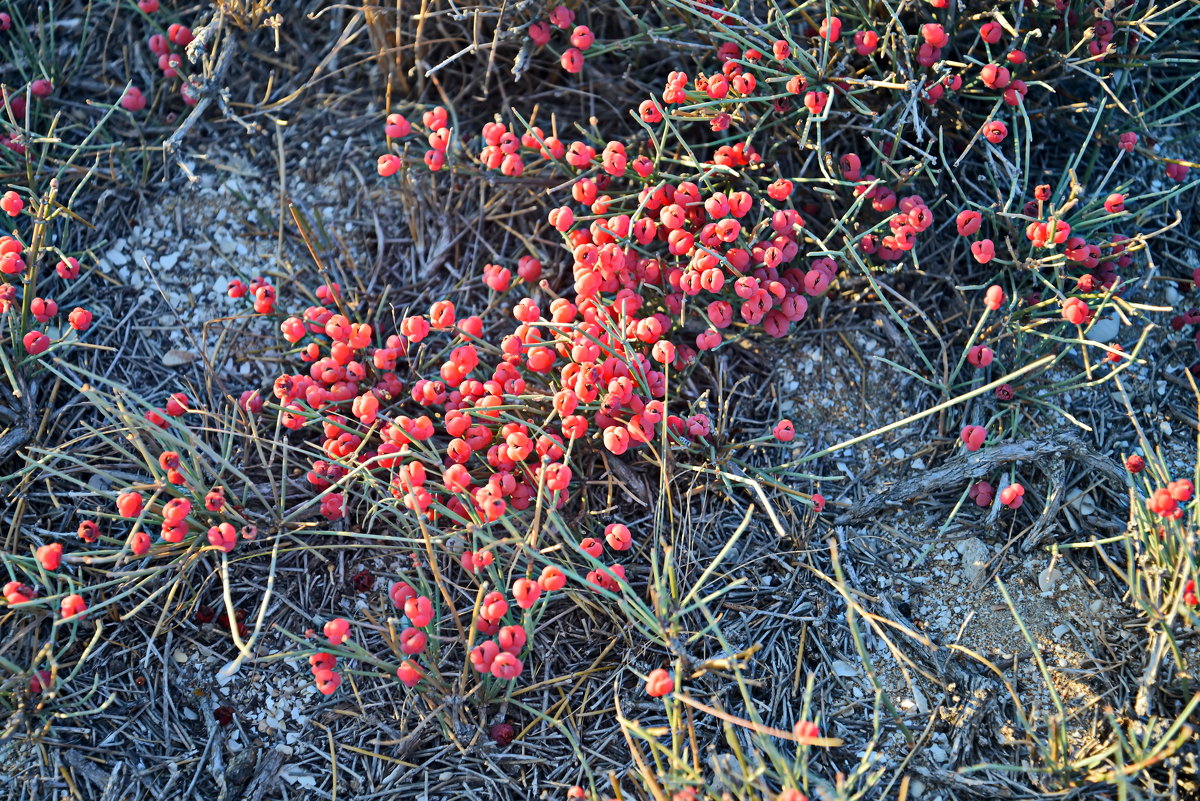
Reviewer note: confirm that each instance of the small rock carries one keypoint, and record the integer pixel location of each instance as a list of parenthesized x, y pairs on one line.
[(177, 358), (922, 701), (844, 668), (226, 674), (294, 774), (1081, 501), (1048, 578), (115, 255), (975, 557)]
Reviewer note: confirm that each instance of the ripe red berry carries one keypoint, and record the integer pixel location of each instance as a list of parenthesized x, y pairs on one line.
[(223, 537), (539, 32), (133, 99), (831, 29), (980, 356), (983, 251), (659, 683), (582, 37), (995, 131), (337, 630), (806, 730), (994, 76), (1075, 311), (35, 342), (11, 203), (17, 593), (994, 298), (562, 17), (130, 503), (179, 34), (80, 319), (982, 493), (389, 164), (68, 268), (973, 437), (50, 555), (506, 666), (89, 531), (865, 42), (968, 222), (327, 681), (73, 606), (502, 733), (572, 60), (1012, 496), (618, 537)]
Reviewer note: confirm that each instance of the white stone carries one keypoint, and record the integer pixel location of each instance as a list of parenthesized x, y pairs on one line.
[(116, 254), (844, 668), (975, 556), (1048, 578), (226, 674)]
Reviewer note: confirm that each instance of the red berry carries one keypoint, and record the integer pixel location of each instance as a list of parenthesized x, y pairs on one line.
[(502, 733), (11, 203), (659, 683), (35, 342)]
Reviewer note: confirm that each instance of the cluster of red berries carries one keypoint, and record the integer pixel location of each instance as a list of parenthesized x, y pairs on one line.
[(499, 656), (579, 36), (17, 100), (13, 267), (171, 63), (177, 515), (983, 494), (459, 450), (1165, 501), (260, 290), (16, 593)]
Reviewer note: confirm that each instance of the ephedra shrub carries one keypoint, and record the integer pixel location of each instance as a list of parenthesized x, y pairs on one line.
[(799, 153)]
